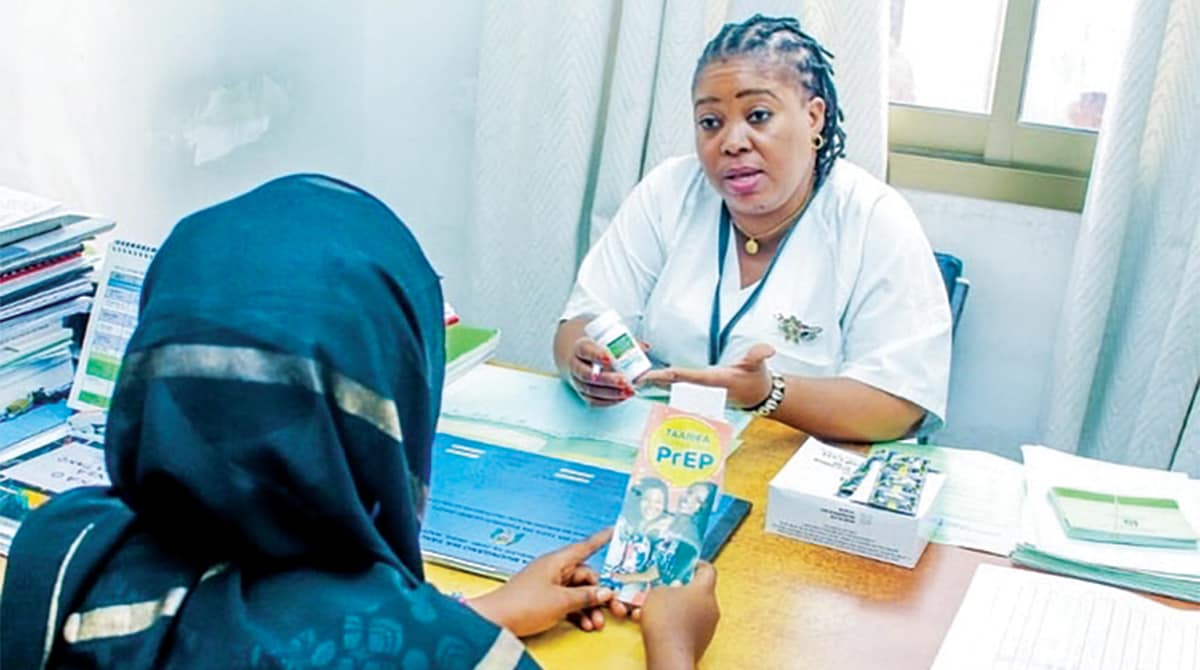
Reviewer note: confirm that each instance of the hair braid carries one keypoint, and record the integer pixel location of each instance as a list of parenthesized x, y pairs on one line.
[(782, 39)]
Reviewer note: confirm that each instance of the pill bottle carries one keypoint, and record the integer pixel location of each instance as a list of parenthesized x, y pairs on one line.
[(627, 355)]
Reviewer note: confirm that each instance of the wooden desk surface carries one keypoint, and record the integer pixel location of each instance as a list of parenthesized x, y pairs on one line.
[(785, 603)]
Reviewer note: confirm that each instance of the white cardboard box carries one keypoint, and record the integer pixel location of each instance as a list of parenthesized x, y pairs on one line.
[(802, 503)]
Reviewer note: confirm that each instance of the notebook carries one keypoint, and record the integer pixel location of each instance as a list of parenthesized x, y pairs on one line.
[(493, 509), (114, 317), (1104, 517)]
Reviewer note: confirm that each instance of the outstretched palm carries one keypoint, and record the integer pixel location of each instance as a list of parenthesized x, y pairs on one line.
[(747, 382)]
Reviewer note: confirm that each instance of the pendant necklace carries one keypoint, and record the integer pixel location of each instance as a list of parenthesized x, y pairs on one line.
[(751, 246)]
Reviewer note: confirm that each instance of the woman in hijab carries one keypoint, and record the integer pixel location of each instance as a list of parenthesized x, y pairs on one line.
[(269, 450)]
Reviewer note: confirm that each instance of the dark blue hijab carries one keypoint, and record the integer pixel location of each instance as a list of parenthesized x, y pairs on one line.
[(264, 510)]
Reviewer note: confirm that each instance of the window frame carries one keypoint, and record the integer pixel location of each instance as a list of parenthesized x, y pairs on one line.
[(995, 156)]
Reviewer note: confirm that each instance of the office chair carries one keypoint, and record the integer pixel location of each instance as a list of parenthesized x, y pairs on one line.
[(957, 286)]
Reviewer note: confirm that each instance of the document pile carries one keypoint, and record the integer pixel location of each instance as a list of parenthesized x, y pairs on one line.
[(46, 287), (1068, 527)]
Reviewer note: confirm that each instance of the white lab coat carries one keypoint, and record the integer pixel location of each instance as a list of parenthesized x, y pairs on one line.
[(857, 265)]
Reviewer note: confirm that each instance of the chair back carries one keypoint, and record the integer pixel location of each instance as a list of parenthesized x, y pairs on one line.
[(957, 286)]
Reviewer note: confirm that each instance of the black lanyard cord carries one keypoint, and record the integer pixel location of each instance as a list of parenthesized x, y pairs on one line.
[(718, 337)]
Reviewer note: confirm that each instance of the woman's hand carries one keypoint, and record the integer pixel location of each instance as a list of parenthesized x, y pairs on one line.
[(590, 373), (747, 382), (547, 590), (679, 622)]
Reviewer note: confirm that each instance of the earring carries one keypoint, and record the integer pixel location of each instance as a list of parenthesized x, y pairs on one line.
[(818, 141)]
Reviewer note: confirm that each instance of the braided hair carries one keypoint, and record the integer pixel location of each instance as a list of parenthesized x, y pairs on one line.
[(781, 39)]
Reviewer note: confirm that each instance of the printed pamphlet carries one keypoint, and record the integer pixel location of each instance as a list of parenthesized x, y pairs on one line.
[(673, 486)]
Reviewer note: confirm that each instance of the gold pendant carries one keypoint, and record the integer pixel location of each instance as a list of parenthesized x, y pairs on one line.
[(751, 246)]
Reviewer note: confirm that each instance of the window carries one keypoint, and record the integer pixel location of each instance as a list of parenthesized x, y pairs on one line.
[(921, 74), (1000, 99), (1074, 61)]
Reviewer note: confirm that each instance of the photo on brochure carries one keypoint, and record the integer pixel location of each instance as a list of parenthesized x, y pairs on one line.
[(672, 491)]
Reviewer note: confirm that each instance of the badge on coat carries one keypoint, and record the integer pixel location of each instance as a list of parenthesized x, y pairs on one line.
[(794, 330)]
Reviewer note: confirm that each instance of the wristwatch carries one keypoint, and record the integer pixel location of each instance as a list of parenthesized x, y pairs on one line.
[(770, 403)]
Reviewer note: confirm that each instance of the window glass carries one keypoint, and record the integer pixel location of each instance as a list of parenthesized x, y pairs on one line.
[(944, 52), (1076, 55)]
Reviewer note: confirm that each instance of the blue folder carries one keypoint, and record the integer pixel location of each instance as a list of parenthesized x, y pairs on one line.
[(493, 509)]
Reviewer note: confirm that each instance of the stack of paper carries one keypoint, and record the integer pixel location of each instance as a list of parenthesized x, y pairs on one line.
[(44, 281), (1045, 544)]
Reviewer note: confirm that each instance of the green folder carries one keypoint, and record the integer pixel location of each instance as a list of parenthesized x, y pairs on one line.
[(1104, 517)]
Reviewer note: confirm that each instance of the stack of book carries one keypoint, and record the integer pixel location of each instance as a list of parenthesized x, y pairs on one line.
[(45, 283), (1117, 524), (466, 346), (45, 278)]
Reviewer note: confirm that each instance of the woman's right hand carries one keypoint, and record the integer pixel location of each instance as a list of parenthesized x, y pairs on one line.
[(591, 374), (678, 622)]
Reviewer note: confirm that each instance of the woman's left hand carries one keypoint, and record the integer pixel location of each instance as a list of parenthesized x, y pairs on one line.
[(549, 589), (747, 382)]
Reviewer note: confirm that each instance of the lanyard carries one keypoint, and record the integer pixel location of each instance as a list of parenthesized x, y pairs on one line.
[(718, 337)]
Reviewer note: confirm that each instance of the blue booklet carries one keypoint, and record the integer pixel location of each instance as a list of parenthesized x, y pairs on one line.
[(493, 509)]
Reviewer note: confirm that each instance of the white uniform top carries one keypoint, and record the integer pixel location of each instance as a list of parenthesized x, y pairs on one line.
[(857, 265)]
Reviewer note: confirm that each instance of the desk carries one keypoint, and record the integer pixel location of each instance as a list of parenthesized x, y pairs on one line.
[(784, 603)]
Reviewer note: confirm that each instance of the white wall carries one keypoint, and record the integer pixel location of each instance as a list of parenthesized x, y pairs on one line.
[(147, 111), (1017, 259)]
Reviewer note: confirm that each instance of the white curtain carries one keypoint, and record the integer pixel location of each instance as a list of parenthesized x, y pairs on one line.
[(542, 84), (1127, 358), (576, 101)]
